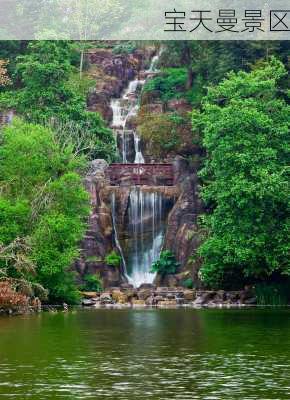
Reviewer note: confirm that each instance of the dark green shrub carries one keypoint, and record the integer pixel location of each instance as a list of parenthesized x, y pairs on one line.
[(93, 283), (124, 48), (113, 259), (188, 283), (166, 264), (169, 84), (275, 294)]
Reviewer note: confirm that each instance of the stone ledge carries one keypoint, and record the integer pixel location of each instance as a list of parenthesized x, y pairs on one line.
[(166, 297)]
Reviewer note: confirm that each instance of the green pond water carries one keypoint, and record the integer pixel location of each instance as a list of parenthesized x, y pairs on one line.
[(147, 354)]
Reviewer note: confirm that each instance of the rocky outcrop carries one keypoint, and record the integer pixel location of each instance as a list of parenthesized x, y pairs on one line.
[(182, 233), (167, 297), (181, 236), (99, 239), (112, 73)]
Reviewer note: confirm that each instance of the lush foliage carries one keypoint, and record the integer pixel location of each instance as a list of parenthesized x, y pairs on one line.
[(93, 283), (124, 48), (166, 264), (245, 125), (113, 259), (50, 92), (169, 84), (42, 199), (188, 283), (275, 294), (164, 132)]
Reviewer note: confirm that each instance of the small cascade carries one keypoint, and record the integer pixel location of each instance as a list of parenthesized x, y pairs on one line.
[(119, 247), (117, 113), (153, 64), (123, 109), (139, 159)]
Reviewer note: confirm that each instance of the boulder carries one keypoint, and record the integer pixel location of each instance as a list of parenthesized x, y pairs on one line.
[(167, 303), (143, 294), (88, 302), (89, 295), (130, 293), (119, 297), (138, 303), (106, 298), (150, 301), (221, 296), (146, 286), (189, 295), (126, 286)]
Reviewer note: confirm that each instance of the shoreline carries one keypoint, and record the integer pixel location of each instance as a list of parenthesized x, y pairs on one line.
[(53, 309)]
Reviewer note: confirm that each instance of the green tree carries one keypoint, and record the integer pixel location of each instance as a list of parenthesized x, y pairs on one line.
[(245, 125), (47, 96), (43, 199)]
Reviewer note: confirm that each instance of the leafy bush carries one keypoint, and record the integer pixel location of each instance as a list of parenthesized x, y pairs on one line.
[(164, 132), (124, 48), (93, 283), (169, 84), (188, 283), (166, 264), (113, 259)]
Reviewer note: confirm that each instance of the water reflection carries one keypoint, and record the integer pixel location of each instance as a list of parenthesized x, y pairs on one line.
[(147, 354)]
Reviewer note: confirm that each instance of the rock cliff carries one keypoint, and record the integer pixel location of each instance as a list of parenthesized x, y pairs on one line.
[(99, 239), (112, 73)]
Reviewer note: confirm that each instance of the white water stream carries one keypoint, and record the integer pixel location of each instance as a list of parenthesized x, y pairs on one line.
[(145, 209)]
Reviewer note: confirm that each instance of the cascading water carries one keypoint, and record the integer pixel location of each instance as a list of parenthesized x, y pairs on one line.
[(126, 107), (118, 244), (139, 159), (146, 210), (146, 214), (154, 62)]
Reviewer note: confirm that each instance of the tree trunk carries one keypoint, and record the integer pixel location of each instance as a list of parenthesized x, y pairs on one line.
[(81, 63), (190, 76), (188, 62)]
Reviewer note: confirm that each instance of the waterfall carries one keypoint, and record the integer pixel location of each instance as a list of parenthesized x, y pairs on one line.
[(127, 106), (146, 211), (146, 229)]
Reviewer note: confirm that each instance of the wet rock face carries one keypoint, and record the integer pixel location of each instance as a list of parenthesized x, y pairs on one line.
[(116, 71), (182, 235), (127, 139), (98, 240)]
